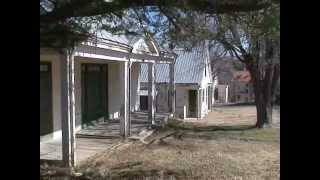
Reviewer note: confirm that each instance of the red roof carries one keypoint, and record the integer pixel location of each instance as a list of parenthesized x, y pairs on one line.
[(242, 76)]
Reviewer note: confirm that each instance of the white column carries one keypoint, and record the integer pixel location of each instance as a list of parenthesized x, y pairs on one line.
[(172, 89), (151, 93), (210, 97), (125, 107), (227, 94), (68, 109), (199, 100)]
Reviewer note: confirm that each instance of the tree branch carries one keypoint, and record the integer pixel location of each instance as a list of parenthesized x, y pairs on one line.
[(85, 8)]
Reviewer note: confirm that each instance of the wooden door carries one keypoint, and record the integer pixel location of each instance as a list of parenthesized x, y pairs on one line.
[(94, 92), (192, 103), (46, 121)]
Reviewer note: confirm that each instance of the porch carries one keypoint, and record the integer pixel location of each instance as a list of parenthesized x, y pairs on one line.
[(97, 138), (96, 81)]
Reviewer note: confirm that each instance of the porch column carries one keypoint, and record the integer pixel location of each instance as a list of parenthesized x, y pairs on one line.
[(199, 102), (172, 89), (151, 93), (210, 97), (68, 109), (125, 107), (227, 94)]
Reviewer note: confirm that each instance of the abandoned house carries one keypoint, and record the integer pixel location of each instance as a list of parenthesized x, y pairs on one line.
[(241, 89), (97, 81), (233, 83), (234, 87), (193, 84)]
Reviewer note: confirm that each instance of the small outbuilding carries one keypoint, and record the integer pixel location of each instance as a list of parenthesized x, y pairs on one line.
[(193, 84)]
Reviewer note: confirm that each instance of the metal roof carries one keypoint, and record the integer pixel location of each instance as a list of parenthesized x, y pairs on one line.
[(189, 67)]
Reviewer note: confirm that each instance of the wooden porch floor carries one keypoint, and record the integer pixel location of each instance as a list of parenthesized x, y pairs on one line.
[(97, 138)]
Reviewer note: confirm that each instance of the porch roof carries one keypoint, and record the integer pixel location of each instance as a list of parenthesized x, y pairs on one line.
[(106, 49)]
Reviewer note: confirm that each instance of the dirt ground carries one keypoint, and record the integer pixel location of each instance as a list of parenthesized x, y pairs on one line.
[(221, 146)]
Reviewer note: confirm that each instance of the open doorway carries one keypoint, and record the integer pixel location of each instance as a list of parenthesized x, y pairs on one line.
[(143, 103), (94, 82), (46, 119), (192, 94)]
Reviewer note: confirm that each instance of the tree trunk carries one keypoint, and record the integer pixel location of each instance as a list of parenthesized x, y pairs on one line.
[(264, 92), (261, 105), (264, 108)]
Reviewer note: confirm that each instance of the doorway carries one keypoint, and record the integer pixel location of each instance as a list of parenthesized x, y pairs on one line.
[(46, 120), (94, 85), (192, 103), (143, 103)]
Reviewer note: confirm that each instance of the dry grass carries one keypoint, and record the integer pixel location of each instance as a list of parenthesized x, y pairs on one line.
[(223, 151)]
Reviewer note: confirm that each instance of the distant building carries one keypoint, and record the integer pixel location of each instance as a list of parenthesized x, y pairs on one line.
[(241, 89), (234, 83)]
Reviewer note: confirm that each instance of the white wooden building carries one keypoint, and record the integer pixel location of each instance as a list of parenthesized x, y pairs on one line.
[(97, 80), (193, 82)]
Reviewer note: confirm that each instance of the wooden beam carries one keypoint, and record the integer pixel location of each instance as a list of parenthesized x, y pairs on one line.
[(151, 93), (118, 55), (172, 89), (125, 107), (68, 108)]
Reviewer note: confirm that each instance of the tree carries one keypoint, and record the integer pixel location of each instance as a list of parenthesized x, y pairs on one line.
[(63, 23), (254, 39), (222, 63)]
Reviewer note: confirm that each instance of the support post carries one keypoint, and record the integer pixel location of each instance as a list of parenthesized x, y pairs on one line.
[(199, 100), (210, 97), (227, 95), (125, 107), (151, 93), (172, 90), (68, 108)]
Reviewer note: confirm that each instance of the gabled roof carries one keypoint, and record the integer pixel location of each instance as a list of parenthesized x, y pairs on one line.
[(140, 44), (189, 67)]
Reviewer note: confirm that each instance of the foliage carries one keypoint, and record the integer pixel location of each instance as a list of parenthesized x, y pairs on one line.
[(64, 21)]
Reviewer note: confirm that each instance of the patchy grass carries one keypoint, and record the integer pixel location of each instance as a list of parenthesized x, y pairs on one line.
[(236, 132), (208, 150)]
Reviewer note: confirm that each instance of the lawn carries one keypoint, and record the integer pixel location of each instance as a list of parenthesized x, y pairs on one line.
[(224, 145)]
